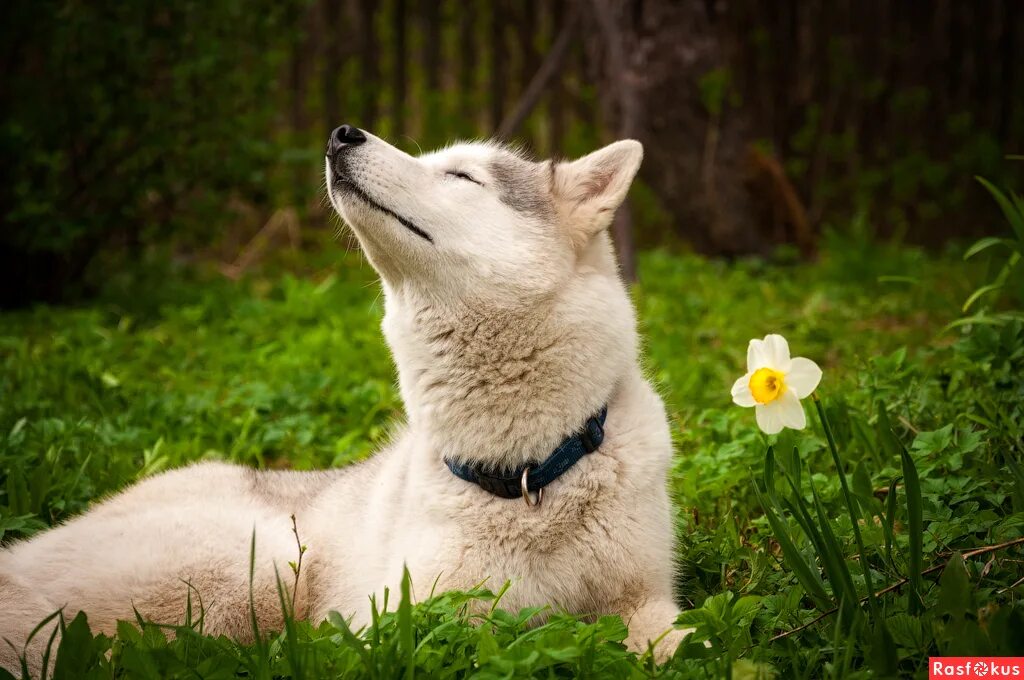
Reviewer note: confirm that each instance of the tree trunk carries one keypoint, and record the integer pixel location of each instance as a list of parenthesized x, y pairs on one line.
[(556, 99), (654, 56), (332, 63), (433, 97), (498, 57), (529, 57), (1008, 64), (401, 82), (548, 71), (622, 103), (369, 65), (468, 55), (297, 115)]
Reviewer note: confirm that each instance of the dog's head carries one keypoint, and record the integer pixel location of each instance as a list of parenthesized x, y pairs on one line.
[(504, 308), (475, 220)]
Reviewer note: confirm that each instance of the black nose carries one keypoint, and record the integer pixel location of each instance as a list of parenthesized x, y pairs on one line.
[(344, 135)]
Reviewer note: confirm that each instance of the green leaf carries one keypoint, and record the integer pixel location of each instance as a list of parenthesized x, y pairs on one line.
[(26, 524), (769, 472), (985, 244), (806, 575), (890, 522), (915, 522), (851, 508), (1006, 630), (835, 564), (140, 663), (1016, 471), (800, 511), (955, 591), (128, 633), (406, 639), (1013, 215), (976, 295), (694, 618), (38, 486), (886, 436), (717, 607), (486, 645), (882, 654), (908, 631), (983, 319), (934, 442), (75, 651), (744, 610), (19, 502), (862, 488)]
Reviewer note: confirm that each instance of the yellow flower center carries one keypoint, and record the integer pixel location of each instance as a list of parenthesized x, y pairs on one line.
[(767, 385)]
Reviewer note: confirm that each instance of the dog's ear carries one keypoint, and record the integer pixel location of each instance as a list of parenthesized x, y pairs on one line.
[(587, 191)]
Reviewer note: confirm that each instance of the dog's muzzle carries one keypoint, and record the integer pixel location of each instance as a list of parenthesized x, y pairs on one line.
[(344, 137)]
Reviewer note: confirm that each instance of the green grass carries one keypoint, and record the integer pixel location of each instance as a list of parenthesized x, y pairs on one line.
[(289, 370)]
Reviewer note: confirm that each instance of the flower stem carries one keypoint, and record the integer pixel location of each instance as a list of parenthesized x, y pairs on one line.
[(850, 506)]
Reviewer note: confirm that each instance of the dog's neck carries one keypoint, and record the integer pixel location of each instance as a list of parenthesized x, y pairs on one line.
[(502, 386)]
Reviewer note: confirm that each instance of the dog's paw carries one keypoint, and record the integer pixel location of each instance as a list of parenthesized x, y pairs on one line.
[(666, 646)]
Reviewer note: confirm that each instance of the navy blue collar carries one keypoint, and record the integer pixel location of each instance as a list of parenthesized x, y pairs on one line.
[(587, 440)]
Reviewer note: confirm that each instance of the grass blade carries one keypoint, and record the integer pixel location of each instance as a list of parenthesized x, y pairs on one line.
[(261, 646), (985, 244), (1018, 482), (835, 565), (405, 632), (979, 293), (808, 577), (1010, 211), (352, 641), (850, 506), (291, 644), (889, 525), (886, 437), (769, 472), (915, 522)]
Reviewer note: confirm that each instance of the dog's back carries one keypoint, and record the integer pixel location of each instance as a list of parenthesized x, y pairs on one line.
[(185, 534)]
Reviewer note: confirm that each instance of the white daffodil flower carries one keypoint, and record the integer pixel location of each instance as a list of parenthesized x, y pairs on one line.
[(775, 384)]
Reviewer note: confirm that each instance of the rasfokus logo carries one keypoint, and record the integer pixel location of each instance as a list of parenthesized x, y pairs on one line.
[(968, 667)]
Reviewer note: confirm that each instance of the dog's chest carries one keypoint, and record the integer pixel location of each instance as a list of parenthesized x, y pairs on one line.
[(567, 551)]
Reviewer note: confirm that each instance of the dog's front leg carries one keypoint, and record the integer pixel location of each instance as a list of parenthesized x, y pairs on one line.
[(652, 623)]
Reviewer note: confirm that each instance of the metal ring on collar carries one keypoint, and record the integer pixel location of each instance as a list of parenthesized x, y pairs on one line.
[(524, 486)]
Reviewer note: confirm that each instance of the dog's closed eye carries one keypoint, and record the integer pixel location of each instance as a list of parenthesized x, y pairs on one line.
[(462, 175)]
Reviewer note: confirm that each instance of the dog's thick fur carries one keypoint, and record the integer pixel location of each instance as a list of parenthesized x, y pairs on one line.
[(510, 326)]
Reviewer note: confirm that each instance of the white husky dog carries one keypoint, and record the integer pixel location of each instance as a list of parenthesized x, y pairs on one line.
[(535, 451)]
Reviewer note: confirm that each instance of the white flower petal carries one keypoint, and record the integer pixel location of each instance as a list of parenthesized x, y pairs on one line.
[(777, 350), (768, 418), (757, 355), (741, 395), (803, 377), (790, 411)]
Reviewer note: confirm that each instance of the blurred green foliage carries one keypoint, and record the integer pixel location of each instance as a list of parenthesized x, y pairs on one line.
[(1008, 278), (125, 122)]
